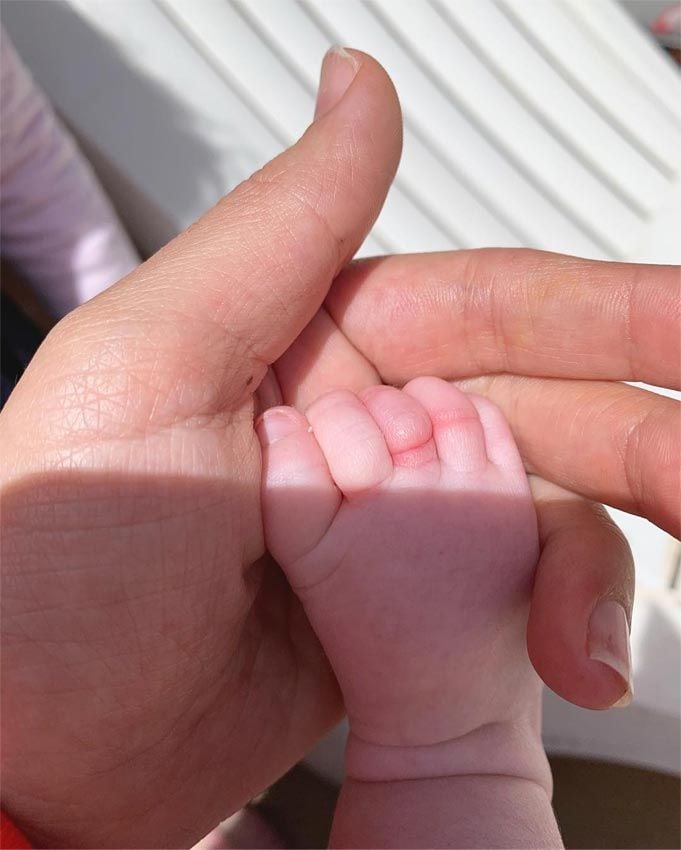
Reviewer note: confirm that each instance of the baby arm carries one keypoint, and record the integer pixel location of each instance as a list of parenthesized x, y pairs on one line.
[(454, 811)]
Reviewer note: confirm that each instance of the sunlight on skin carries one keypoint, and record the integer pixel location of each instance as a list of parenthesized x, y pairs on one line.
[(404, 521), (157, 670)]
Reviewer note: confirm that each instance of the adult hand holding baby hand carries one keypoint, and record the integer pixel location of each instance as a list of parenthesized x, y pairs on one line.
[(157, 671), (548, 338)]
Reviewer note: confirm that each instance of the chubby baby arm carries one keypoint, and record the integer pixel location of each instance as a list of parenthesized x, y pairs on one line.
[(404, 522)]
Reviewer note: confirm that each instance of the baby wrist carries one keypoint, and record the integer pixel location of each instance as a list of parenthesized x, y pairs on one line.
[(508, 749)]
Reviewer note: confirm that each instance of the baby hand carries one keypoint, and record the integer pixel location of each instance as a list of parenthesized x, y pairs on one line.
[(404, 521)]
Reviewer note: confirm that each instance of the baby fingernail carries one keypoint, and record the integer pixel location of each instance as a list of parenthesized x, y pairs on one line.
[(608, 642), (274, 425)]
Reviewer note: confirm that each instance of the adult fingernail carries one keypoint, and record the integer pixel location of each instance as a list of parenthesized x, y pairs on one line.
[(608, 642), (339, 69), (274, 425)]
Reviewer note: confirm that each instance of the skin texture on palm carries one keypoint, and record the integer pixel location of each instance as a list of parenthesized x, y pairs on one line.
[(157, 671)]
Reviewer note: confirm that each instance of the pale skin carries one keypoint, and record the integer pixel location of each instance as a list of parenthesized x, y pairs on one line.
[(404, 521), (157, 669)]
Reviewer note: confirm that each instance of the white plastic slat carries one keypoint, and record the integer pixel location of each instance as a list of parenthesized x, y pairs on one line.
[(173, 61), (295, 33), (639, 57), (126, 96), (235, 46), (661, 243), (422, 174), (406, 220), (457, 141), (371, 247), (426, 175), (650, 547), (461, 73), (532, 79), (408, 227), (600, 80)]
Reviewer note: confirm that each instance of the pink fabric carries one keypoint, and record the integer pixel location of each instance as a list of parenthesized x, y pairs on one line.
[(56, 225)]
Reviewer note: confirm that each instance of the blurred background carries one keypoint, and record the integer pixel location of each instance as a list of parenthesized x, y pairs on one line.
[(552, 124)]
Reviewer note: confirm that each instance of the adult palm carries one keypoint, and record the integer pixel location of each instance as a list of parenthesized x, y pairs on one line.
[(157, 671)]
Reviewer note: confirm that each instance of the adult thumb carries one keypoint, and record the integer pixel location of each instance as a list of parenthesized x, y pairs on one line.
[(224, 299)]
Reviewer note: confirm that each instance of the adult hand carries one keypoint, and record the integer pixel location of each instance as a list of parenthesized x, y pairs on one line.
[(156, 670), (548, 338)]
